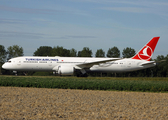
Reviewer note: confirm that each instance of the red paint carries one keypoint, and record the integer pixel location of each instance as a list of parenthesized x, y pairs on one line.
[(146, 52)]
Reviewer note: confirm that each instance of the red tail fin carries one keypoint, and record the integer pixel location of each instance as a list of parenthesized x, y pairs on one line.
[(146, 52)]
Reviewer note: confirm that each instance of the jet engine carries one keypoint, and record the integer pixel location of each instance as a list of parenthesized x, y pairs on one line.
[(66, 70)]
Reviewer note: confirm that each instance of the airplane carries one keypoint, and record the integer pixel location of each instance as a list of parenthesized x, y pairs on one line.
[(70, 65)]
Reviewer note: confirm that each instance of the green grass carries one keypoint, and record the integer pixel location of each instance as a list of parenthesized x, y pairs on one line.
[(91, 83)]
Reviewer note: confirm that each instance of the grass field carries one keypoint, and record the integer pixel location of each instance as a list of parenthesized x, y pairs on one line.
[(92, 83)]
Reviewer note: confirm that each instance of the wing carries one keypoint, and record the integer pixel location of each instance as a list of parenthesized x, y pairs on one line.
[(90, 64)]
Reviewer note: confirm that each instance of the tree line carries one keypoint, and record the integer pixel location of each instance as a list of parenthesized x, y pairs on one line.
[(85, 52), (161, 70)]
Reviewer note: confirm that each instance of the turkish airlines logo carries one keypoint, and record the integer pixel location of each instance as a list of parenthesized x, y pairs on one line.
[(145, 53)]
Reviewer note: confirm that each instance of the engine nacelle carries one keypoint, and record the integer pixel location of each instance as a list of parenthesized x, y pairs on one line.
[(15, 72), (66, 70)]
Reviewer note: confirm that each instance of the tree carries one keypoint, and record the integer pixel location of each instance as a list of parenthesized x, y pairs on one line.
[(128, 52), (86, 52), (160, 57), (79, 54), (73, 52), (113, 52), (60, 51), (3, 54), (14, 51), (100, 53), (43, 51), (161, 69)]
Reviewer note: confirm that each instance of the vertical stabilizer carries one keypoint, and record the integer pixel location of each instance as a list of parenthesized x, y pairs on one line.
[(146, 52)]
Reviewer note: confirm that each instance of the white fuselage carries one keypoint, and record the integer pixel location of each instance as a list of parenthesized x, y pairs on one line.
[(52, 64)]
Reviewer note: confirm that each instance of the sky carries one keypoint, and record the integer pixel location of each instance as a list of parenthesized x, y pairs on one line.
[(97, 24)]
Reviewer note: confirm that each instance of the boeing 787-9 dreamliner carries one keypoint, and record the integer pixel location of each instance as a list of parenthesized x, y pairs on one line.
[(69, 65)]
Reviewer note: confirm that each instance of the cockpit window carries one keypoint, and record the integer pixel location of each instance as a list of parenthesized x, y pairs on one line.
[(9, 61)]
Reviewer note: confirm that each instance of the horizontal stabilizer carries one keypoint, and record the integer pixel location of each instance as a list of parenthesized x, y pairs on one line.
[(151, 62), (147, 63)]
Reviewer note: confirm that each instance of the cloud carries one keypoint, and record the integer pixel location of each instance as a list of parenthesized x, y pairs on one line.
[(128, 9), (13, 34), (128, 2), (140, 8), (29, 10), (75, 37), (7, 34), (131, 6), (12, 21), (56, 10)]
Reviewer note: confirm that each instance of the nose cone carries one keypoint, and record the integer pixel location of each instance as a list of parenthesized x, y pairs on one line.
[(6, 66)]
